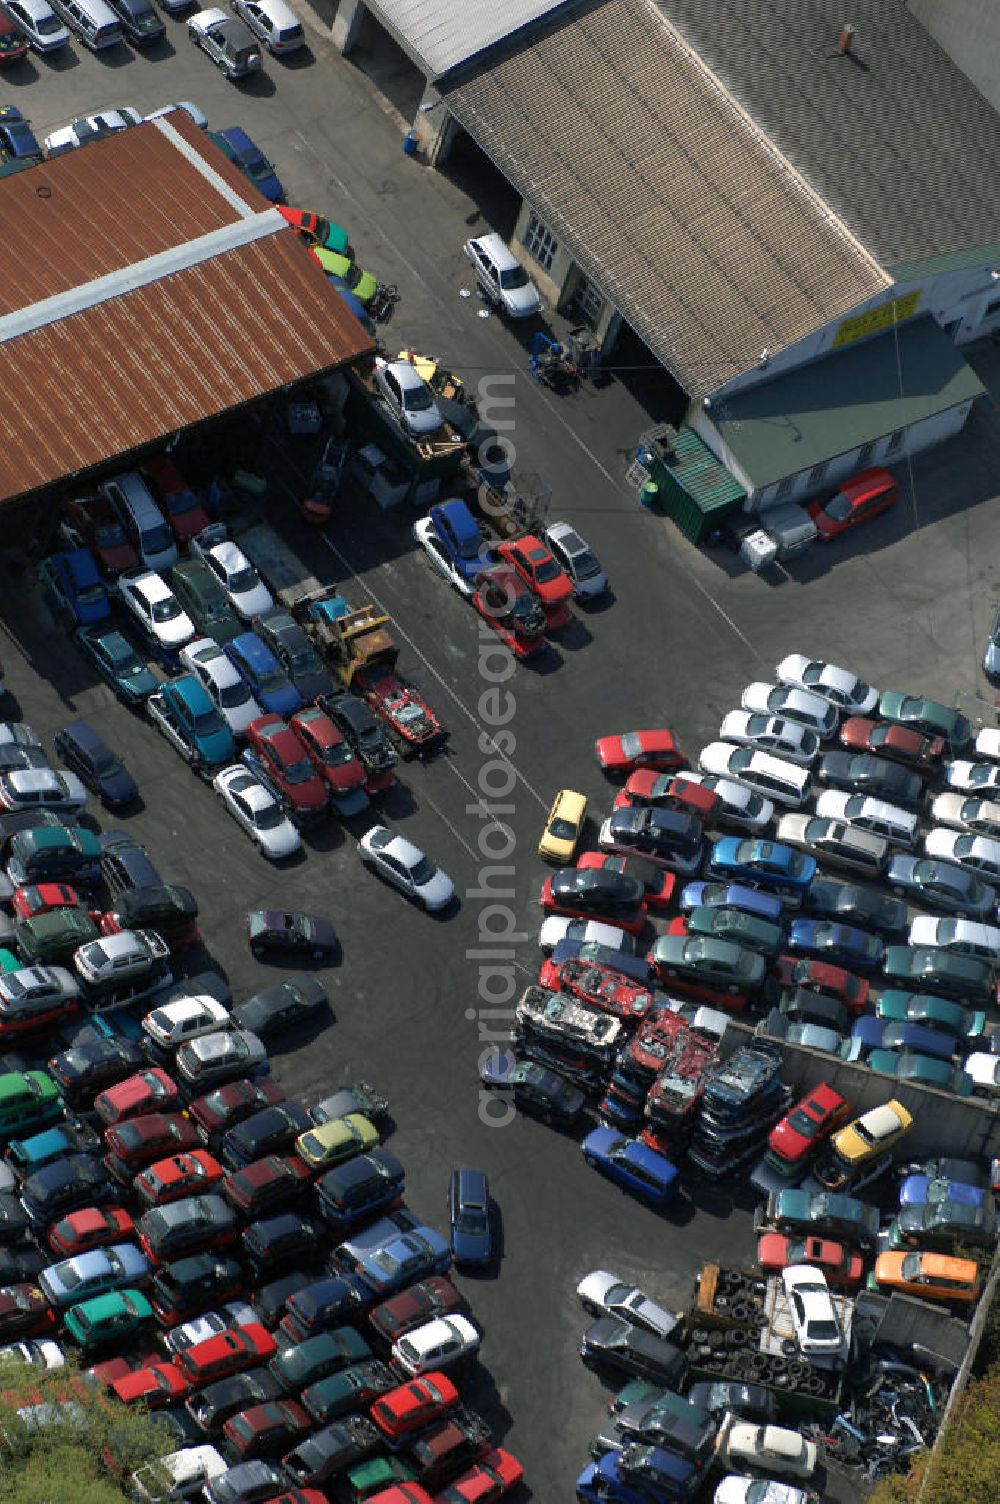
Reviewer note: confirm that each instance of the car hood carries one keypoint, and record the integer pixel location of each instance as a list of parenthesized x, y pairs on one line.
[(521, 300), (438, 892)]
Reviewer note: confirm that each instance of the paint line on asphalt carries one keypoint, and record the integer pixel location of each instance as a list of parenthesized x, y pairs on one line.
[(442, 816)]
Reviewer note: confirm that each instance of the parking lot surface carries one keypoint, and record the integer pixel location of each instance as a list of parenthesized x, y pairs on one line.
[(906, 604)]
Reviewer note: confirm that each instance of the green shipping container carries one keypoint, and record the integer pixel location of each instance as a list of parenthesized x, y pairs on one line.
[(695, 490)]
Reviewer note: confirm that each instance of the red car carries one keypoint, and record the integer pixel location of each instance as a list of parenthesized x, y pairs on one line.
[(177, 501), (599, 986), (28, 903), (659, 885), (330, 754), (532, 561), (92, 1227), (654, 1044), (818, 1114), (261, 1187), (288, 763), (842, 1266), (412, 1406), (228, 1105), (435, 1296), (137, 1143), (646, 786), (24, 1312), (180, 1175), (226, 1353), (510, 608), (13, 43), (623, 754), (820, 976), (899, 743), (633, 922), (485, 1482), (159, 1384), (264, 1430), (109, 1370), (858, 500), (406, 713), (93, 519), (402, 1493), (145, 1092)]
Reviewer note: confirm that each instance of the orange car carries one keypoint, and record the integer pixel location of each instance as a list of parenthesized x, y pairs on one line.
[(935, 1276)]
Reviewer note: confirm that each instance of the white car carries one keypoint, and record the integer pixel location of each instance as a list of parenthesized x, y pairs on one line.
[(987, 744), (770, 733), (604, 1294), (557, 927), (738, 804), (406, 867), (966, 936), (985, 1072), (782, 781), (226, 40), (817, 1326), (175, 1023), (42, 788), (710, 1023), (408, 395), (155, 606), (890, 821), (239, 579), (227, 691), (576, 560), (90, 128), (976, 854), (277, 25), (39, 22), (770, 1448), (18, 734), (436, 1344), (777, 699), (501, 276), (982, 816), (426, 535), (197, 115), (973, 777), (38, 1352), (234, 1313), (838, 685), (741, 1488), (256, 809)]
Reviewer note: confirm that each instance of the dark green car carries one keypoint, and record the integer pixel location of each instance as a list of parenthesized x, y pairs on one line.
[(715, 966), (900, 1007), (928, 716), (202, 597), (376, 1476), (308, 1362), (962, 977), (118, 662), (939, 1226), (822, 1213), (740, 928), (353, 1388), (922, 1069), (50, 939)]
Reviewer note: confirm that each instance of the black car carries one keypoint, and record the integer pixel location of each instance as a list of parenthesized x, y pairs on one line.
[(663, 1426), (616, 1345), (191, 1285), (247, 1483), (13, 1222), (125, 864), (300, 660), (273, 1130), (359, 1188), (361, 729), (86, 1069), (271, 1299), (333, 1450), (170, 910), (190, 1224), (319, 1306), (864, 773), (942, 1224), (597, 892), (102, 771), (667, 835), (803, 1006), (748, 1401), (280, 1007), (535, 1089), (286, 1239), (288, 931), (65, 1186), (213, 1405), (360, 1096), (848, 903), (21, 1262)]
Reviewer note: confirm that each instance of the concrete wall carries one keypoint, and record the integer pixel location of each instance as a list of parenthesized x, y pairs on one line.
[(969, 31)]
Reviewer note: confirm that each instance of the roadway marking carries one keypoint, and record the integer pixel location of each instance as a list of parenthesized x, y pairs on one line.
[(459, 838)]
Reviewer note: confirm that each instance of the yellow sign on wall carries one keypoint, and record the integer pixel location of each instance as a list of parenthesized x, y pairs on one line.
[(874, 320)]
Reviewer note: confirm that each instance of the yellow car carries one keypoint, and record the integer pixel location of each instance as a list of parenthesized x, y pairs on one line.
[(336, 1141), (933, 1276), (872, 1135), (563, 827)]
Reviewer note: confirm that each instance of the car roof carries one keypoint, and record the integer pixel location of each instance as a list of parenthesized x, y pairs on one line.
[(498, 249), (256, 652)]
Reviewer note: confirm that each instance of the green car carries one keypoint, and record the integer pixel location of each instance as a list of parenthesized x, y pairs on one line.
[(28, 1099), (946, 971), (928, 716), (346, 274), (108, 1318), (922, 1069), (8, 961), (117, 661), (340, 1393), (740, 928), (823, 1214), (712, 966), (202, 597), (308, 1362), (933, 1012), (365, 1479), (53, 853), (50, 939)]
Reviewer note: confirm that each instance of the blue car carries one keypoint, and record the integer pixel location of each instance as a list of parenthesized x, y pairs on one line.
[(385, 1258), (119, 1267), (469, 1217), (90, 758), (74, 591), (182, 710), (354, 1192), (916, 1038), (264, 676), (248, 157), (926, 881), (839, 943), (762, 864), (866, 1034), (704, 895), (453, 541), (921, 1190), (17, 140), (631, 1165), (637, 968), (638, 1475)]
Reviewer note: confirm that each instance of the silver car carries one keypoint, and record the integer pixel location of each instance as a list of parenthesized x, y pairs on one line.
[(838, 685), (223, 1056), (41, 788), (227, 41), (778, 699), (406, 867), (502, 278), (605, 1294), (94, 1273), (577, 560), (408, 396), (771, 733)]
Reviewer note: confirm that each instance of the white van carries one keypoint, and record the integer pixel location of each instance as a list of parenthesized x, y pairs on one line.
[(142, 519), (94, 22), (773, 777), (894, 824), (966, 936), (178, 1476)]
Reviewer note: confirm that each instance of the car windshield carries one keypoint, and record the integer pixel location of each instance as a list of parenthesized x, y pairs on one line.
[(423, 872), (631, 745), (206, 723), (546, 571), (46, 25), (268, 818), (585, 565), (803, 1124), (824, 1331), (838, 508), (166, 609), (90, 595), (418, 399), (513, 276), (299, 772), (335, 755), (242, 580), (231, 696), (105, 762), (563, 830), (910, 1267), (271, 680)]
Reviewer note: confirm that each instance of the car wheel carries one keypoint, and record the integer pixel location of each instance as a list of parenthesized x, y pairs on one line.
[(318, 955), (256, 951)]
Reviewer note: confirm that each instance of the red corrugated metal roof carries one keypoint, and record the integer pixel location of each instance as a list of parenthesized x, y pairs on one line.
[(107, 367)]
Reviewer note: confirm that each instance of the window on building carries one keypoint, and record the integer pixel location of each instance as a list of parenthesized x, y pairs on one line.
[(817, 473), (864, 455), (589, 303), (895, 441), (540, 242), (783, 488)]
